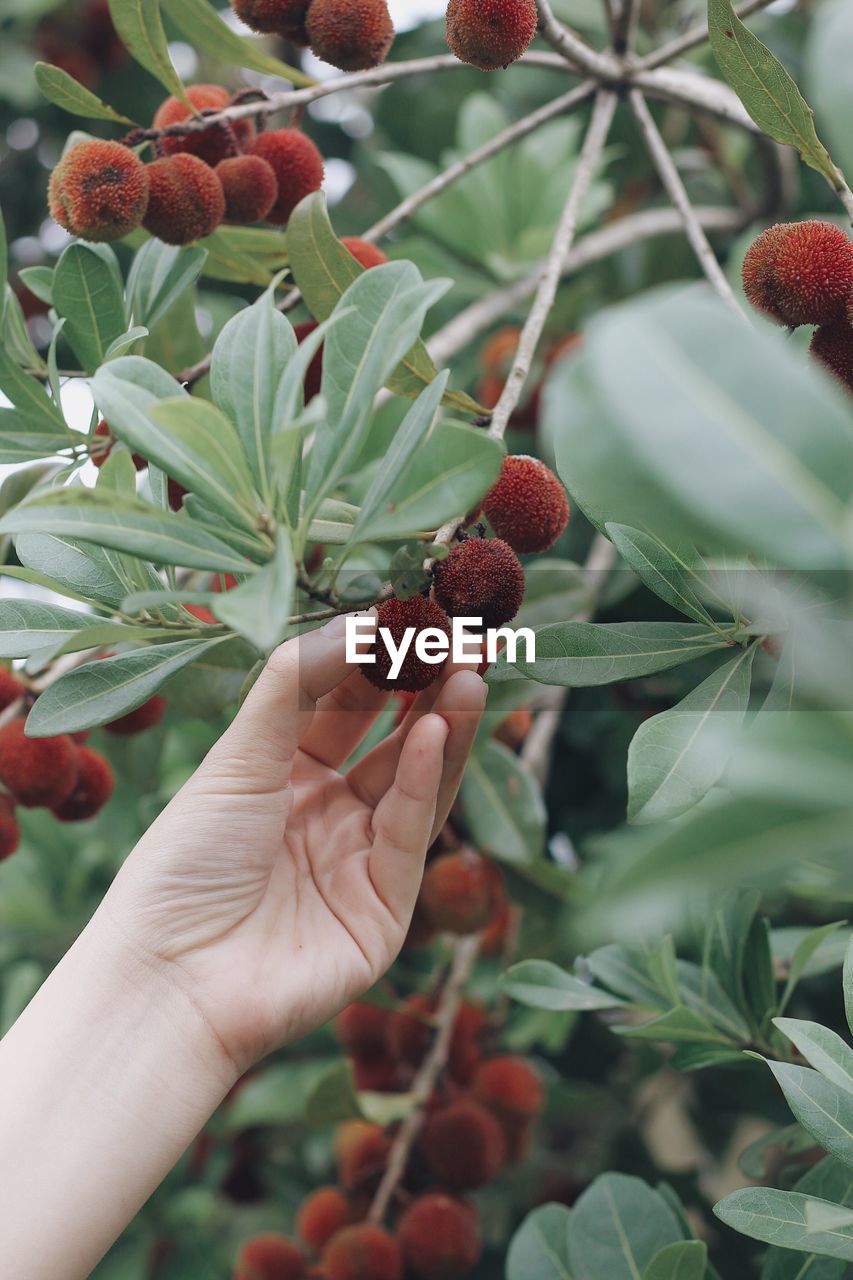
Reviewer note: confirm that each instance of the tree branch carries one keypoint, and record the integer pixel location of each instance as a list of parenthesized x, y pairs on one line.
[(677, 192), (588, 161), (604, 66), (694, 37), (465, 952)]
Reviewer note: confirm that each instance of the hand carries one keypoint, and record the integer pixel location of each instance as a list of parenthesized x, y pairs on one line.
[(275, 889)]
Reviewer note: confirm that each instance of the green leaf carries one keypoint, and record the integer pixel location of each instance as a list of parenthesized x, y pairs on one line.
[(623, 970), (333, 1097), (663, 570), (830, 1181), (765, 88), (4, 254), (159, 276), (29, 625), (203, 26), (803, 954), (140, 27), (779, 1218), (680, 1023), (86, 571), (87, 293), (133, 526), (683, 1261), (30, 397), (65, 92), (729, 917), (102, 691), (677, 756), (259, 610), (324, 269), (503, 806), (824, 1109), (538, 1250), (249, 360), (544, 985), (246, 255), (822, 1048), (617, 1227), (848, 984), (701, 991), (201, 449), (39, 280), (579, 654)]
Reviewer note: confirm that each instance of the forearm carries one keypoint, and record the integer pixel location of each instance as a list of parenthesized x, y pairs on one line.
[(104, 1081)]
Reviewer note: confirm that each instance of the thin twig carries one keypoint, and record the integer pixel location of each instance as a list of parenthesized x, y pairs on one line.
[(694, 37), (625, 27), (464, 957), (604, 66), (677, 192), (588, 161), (697, 92)]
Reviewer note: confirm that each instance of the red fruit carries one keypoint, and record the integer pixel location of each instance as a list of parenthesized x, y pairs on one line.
[(832, 344), (364, 1252), (511, 1088), (10, 832), (93, 788), (421, 931), (314, 376), (322, 1215), (490, 33), (11, 688), (297, 165), (439, 1237), (176, 494), (800, 273), (350, 34), (285, 18), (361, 1151), (250, 187), (410, 1030), (458, 892), (101, 446), (375, 1075), (144, 717), (39, 772), (361, 1029), (99, 191), (397, 616), (466, 1053), (513, 730), (187, 201), (212, 144), (464, 1145), (481, 578), (527, 506), (270, 1257), (365, 253)]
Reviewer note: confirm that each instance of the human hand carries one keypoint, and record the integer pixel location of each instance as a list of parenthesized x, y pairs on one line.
[(273, 889)]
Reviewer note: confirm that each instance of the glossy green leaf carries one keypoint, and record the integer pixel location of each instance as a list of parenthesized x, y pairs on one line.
[(87, 293), (67, 93), (544, 985), (203, 26), (830, 1181), (821, 1048), (779, 1218), (683, 1261), (140, 26), (824, 1109), (618, 1226), (765, 88), (671, 575), (84, 569), (539, 1248), (503, 806), (29, 625)]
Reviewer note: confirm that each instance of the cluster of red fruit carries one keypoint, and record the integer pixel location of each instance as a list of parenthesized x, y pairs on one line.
[(83, 42), (802, 273), (481, 577), (61, 774), (224, 172), (352, 35)]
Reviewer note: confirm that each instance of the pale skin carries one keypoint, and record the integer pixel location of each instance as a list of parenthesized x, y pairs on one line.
[(271, 892)]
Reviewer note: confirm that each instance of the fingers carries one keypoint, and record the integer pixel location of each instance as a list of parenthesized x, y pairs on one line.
[(459, 701), (343, 718), (268, 728), (404, 817)]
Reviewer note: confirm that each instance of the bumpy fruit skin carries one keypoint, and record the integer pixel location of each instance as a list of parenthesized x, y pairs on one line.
[(458, 892), (144, 717), (352, 35), (361, 1029), (250, 188), (527, 506), (375, 1074), (464, 1145), (101, 446), (364, 1252), (11, 689), (481, 578), (410, 1030), (832, 344), (93, 788), (186, 202), (325, 1213), (397, 616), (466, 1051), (10, 832), (439, 1237), (270, 1257), (212, 144), (490, 34), (285, 18), (39, 772), (361, 1151), (366, 254), (297, 165), (99, 191), (800, 273), (511, 1088)]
